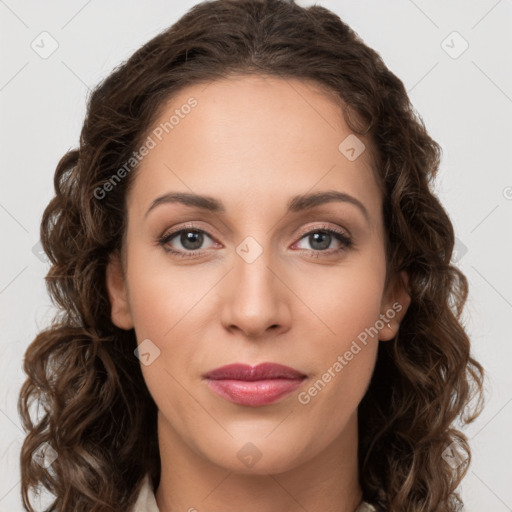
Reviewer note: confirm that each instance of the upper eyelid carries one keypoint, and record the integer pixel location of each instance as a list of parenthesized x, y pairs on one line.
[(174, 232), (339, 230)]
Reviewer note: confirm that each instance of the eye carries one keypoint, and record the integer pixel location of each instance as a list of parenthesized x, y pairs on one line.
[(188, 240), (320, 240)]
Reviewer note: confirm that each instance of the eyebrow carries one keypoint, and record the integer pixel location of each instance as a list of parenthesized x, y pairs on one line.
[(295, 204)]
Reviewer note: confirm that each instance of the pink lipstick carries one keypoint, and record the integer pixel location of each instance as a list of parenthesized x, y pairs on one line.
[(253, 385)]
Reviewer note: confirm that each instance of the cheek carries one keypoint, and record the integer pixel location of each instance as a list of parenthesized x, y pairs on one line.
[(165, 306), (348, 302), (162, 297), (344, 359)]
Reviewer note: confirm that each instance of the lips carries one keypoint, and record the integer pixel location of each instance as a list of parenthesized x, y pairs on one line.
[(245, 372), (253, 386)]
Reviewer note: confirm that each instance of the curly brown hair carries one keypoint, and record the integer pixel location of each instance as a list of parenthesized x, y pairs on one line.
[(82, 369)]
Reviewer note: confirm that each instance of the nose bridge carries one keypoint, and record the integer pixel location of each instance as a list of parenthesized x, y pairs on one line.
[(254, 300)]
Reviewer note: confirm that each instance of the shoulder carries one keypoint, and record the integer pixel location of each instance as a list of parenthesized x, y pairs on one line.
[(146, 501)]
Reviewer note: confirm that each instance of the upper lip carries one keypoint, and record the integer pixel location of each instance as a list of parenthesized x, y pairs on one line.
[(263, 371)]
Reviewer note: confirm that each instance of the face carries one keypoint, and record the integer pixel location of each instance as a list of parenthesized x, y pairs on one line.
[(256, 273)]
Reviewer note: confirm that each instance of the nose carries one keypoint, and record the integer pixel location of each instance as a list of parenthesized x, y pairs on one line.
[(255, 298)]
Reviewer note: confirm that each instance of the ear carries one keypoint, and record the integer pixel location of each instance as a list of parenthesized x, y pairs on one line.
[(120, 308), (394, 306)]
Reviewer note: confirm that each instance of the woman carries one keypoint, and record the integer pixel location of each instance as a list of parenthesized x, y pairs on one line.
[(258, 306)]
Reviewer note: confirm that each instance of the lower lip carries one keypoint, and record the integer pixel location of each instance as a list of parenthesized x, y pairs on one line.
[(253, 393)]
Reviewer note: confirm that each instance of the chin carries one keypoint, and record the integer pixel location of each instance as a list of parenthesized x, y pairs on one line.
[(259, 456)]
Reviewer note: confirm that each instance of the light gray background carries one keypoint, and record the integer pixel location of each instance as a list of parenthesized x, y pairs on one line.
[(466, 103)]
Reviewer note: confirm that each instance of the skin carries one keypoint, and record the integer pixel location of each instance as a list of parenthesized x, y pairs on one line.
[(253, 143)]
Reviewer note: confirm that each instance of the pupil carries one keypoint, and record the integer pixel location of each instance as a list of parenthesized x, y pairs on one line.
[(326, 240), (191, 240)]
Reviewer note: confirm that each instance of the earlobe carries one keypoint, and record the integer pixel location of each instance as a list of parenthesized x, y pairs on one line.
[(394, 307), (116, 286)]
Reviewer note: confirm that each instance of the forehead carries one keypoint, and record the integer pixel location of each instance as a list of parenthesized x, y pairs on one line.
[(255, 140)]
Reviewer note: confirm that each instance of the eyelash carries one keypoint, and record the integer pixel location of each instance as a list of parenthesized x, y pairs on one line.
[(346, 241)]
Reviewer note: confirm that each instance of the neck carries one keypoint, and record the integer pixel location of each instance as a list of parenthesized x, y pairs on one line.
[(327, 482)]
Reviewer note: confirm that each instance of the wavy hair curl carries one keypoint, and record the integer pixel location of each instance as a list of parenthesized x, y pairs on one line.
[(98, 414)]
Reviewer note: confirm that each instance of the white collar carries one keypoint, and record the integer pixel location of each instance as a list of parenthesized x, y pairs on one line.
[(146, 501)]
